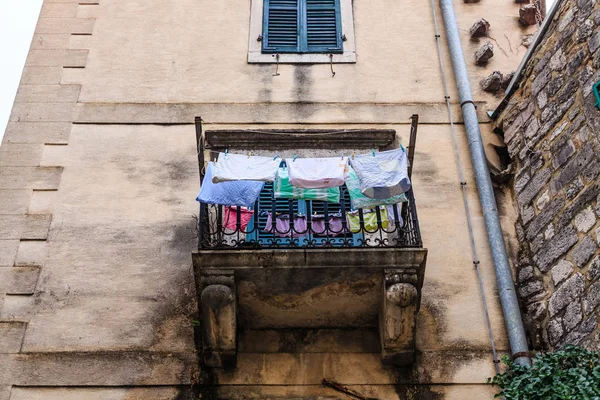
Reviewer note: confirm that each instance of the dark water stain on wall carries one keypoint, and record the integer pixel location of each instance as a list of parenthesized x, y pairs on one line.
[(425, 167), (188, 394), (302, 82), (301, 91), (264, 73), (417, 392), (177, 171), (182, 235)]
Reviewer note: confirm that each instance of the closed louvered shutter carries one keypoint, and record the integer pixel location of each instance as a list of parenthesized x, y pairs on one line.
[(302, 26), (280, 26), (323, 32)]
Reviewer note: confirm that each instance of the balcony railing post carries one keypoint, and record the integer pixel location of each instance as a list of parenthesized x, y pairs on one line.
[(201, 225)]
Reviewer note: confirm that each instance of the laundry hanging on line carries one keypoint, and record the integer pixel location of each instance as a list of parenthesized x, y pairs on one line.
[(391, 217), (235, 193), (382, 175), (238, 167), (283, 227), (230, 218), (316, 173), (370, 222), (333, 228), (285, 190), (376, 177), (359, 200)]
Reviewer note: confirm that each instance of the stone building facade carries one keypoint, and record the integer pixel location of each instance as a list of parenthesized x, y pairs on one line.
[(99, 172), (552, 129)]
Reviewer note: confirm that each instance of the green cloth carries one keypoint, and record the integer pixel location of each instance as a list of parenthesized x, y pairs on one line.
[(369, 220), (285, 190)]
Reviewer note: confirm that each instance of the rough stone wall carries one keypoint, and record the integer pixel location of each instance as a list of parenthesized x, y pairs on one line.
[(552, 129)]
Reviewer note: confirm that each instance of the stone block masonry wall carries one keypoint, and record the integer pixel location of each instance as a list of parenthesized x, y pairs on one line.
[(552, 130), (31, 170), (39, 126)]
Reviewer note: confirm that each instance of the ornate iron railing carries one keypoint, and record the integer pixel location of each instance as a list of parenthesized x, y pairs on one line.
[(292, 224)]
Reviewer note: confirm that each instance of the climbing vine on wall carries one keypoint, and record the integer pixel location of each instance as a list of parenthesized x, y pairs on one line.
[(570, 373)]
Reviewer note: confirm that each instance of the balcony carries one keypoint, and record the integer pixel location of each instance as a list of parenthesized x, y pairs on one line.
[(307, 224), (306, 264)]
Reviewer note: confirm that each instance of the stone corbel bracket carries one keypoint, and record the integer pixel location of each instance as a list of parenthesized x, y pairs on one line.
[(218, 309), (398, 316), (390, 280)]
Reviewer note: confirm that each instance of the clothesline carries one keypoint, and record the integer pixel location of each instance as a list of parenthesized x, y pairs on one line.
[(374, 179), (295, 156)]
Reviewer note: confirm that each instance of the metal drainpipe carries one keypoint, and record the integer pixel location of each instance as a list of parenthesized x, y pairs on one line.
[(504, 280)]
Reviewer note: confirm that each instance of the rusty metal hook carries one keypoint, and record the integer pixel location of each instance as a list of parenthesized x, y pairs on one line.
[(331, 65), (277, 66)]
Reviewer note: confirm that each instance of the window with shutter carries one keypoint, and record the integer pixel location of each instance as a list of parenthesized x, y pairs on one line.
[(302, 26)]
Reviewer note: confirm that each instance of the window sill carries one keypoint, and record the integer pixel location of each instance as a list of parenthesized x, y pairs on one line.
[(263, 58)]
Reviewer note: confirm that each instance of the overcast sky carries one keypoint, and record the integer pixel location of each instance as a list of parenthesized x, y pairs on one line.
[(17, 22)]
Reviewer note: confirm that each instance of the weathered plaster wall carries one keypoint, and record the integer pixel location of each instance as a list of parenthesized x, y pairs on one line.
[(98, 176), (176, 52), (552, 129)]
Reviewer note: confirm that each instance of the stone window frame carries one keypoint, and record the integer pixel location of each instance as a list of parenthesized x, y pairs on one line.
[(256, 56)]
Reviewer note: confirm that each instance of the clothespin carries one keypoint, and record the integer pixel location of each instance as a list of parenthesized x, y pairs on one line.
[(402, 147), (226, 151), (275, 158), (353, 154), (249, 154), (295, 156), (342, 157), (373, 152)]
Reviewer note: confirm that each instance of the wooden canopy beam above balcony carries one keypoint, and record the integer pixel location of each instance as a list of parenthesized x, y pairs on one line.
[(299, 139)]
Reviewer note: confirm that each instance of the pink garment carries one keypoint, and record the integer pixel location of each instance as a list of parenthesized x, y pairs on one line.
[(300, 225), (230, 218), (318, 226), (283, 228), (335, 226)]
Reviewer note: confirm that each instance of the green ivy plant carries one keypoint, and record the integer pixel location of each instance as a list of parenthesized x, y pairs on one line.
[(571, 373)]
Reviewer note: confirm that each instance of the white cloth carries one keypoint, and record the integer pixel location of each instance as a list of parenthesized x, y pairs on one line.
[(382, 175), (316, 173), (390, 212), (238, 167)]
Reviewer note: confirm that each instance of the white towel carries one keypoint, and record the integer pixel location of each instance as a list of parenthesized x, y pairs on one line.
[(238, 167), (316, 173)]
